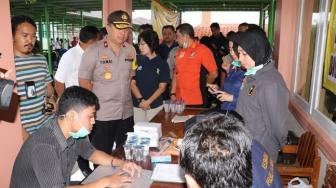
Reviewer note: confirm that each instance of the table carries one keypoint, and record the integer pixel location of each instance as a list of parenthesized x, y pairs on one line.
[(168, 130), (176, 128)]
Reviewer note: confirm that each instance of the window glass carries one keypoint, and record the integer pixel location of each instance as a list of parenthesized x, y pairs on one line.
[(305, 66), (327, 100)]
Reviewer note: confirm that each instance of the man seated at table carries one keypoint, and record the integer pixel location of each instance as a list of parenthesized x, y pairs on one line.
[(218, 151), (48, 156)]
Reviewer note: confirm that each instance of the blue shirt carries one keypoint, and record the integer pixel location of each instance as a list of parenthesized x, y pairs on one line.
[(264, 170), (232, 84), (164, 50), (149, 74)]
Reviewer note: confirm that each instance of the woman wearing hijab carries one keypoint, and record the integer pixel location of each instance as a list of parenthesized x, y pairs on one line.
[(263, 99), (150, 80), (229, 92)]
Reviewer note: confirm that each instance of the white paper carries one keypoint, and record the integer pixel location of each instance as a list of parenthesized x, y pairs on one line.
[(168, 173), (181, 119), (142, 181)]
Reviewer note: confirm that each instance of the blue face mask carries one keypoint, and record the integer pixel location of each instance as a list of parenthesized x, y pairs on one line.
[(253, 70), (236, 63), (83, 132)]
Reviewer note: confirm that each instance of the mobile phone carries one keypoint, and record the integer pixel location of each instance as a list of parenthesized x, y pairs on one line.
[(30, 89), (213, 90)]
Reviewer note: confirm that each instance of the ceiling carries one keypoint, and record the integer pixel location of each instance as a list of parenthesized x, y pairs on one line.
[(58, 9), (206, 5)]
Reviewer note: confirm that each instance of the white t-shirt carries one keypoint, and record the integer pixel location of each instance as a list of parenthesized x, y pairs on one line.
[(67, 71)]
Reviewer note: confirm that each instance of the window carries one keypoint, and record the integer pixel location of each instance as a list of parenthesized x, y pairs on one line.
[(305, 64), (327, 99)]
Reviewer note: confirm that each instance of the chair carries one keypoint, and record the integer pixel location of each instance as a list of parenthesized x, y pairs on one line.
[(307, 162), (329, 180)]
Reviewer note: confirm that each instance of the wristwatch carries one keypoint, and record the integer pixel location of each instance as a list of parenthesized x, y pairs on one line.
[(140, 99)]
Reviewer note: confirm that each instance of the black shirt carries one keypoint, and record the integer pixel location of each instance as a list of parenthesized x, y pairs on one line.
[(149, 74), (164, 50), (46, 159), (221, 42)]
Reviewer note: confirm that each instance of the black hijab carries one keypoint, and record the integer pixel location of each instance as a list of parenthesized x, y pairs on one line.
[(256, 45)]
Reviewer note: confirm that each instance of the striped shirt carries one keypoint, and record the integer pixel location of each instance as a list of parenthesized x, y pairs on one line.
[(33, 68), (47, 158)]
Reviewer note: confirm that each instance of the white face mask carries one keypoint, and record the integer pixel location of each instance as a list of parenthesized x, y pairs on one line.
[(82, 132)]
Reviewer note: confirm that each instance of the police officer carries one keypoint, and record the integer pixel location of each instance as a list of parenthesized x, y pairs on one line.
[(106, 69)]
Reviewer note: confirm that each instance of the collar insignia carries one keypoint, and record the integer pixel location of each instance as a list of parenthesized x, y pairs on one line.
[(251, 90)]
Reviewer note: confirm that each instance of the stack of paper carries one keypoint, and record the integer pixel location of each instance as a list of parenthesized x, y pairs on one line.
[(168, 173)]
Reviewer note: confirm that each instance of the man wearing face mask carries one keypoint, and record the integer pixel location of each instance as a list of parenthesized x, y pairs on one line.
[(263, 99), (189, 59), (48, 156)]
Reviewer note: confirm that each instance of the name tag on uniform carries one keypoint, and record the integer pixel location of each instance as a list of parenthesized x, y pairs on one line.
[(104, 59), (129, 57)]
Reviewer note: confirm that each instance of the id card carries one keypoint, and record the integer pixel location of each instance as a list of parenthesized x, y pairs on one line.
[(30, 89)]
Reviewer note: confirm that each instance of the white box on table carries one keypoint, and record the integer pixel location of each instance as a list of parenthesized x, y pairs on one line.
[(153, 130)]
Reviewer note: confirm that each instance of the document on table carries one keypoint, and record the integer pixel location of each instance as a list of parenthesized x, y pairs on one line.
[(181, 119), (168, 173), (142, 181)]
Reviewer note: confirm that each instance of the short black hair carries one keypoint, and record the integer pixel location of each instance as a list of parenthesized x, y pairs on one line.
[(214, 25), (186, 29), (243, 24), (77, 98), (17, 20), (145, 27), (229, 33), (231, 37), (168, 27), (151, 38), (207, 41), (102, 33), (216, 152), (88, 33)]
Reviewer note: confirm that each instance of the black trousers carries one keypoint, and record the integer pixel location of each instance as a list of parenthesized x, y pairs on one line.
[(105, 133)]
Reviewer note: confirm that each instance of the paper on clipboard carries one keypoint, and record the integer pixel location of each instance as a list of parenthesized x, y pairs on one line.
[(168, 173)]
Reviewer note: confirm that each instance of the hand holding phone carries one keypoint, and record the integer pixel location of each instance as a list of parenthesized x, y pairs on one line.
[(212, 88)]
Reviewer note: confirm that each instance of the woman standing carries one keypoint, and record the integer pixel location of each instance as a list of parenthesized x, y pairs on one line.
[(229, 92), (263, 99), (150, 80)]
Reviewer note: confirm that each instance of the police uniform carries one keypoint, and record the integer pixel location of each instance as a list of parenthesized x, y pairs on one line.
[(264, 170), (263, 98), (263, 102), (110, 75)]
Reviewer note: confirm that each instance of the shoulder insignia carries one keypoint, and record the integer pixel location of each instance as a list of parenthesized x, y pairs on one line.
[(251, 90), (265, 161)]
